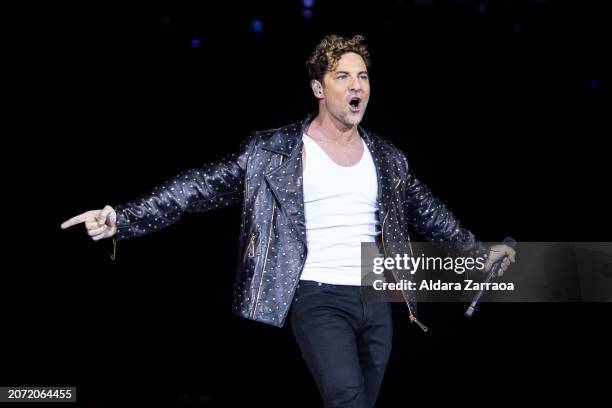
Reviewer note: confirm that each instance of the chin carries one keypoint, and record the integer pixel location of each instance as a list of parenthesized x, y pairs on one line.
[(351, 119)]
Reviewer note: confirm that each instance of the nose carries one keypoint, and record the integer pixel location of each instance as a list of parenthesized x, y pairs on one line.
[(355, 84)]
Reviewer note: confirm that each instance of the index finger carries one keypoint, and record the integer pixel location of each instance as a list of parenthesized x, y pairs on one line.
[(75, 220)]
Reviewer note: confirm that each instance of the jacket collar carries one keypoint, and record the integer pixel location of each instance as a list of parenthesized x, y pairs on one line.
[(287, 140)]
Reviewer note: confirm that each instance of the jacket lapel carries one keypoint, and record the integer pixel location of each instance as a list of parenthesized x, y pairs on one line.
[(285, 180), (385, 175)]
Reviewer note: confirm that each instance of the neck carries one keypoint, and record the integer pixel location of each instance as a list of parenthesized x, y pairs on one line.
[(327, 127)]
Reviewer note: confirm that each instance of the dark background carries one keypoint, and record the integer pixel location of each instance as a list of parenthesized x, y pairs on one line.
[(499, 106)]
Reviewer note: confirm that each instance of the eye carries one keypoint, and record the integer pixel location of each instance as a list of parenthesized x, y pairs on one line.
[(364, 76), (341, 76)]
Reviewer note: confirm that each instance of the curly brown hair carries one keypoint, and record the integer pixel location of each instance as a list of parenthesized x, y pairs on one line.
[(327, 53)]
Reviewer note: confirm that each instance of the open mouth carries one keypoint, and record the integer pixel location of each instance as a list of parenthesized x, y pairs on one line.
[(355, 104)]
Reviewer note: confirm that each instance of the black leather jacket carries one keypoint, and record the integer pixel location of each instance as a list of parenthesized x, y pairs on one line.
[(266, 176)]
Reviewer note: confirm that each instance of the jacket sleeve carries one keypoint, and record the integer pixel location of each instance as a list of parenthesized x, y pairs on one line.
[(436, 222), (214, 185)]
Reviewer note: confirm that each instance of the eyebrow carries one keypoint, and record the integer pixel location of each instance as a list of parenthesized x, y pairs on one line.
[(347, 73)]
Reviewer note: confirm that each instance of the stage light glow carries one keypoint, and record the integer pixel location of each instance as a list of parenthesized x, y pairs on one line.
[(257, 26), (196, 42)]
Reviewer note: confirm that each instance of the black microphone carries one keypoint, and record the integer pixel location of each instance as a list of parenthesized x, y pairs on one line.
[(494, 268)]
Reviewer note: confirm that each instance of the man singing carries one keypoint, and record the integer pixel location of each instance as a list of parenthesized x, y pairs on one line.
[(311, 193)]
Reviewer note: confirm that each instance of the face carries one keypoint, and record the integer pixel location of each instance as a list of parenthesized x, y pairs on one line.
[(346, 90)]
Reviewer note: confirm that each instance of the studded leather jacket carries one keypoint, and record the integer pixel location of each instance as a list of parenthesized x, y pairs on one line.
[(265, 175)]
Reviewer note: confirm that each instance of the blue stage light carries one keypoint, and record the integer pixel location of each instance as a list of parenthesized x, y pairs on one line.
[(593, 84), (257, 26), (196, 42)]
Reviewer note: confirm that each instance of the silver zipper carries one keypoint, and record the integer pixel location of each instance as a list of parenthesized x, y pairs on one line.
[(267, 248), (250, 250), (413, 318), (114, 254)]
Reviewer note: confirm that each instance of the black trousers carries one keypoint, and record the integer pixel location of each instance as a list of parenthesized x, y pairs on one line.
[(345, 341)]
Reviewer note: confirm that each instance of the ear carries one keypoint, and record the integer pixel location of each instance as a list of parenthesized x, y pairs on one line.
[(317, 89)]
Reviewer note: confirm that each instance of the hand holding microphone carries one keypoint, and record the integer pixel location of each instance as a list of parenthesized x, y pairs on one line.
[(499, 259)]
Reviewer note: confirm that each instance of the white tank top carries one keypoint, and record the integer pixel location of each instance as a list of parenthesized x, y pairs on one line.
[(340, 205)]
